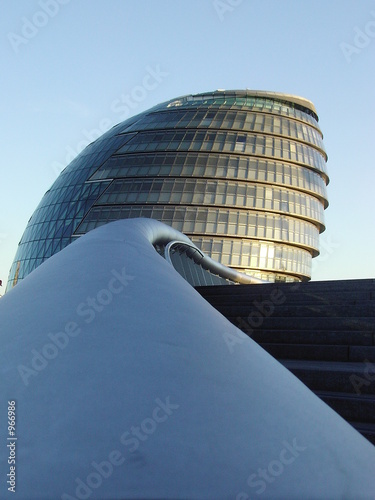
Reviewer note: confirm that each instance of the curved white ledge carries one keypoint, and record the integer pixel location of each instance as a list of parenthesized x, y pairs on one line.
[(213, 266), (128, 384), (158, 233)]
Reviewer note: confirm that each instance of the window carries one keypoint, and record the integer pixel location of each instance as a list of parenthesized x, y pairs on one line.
[(240, 143)]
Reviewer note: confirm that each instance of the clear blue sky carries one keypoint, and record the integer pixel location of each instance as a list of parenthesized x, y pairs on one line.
[(64, 74)]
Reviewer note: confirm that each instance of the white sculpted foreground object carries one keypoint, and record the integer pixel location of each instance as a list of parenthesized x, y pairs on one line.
[(128, 384)]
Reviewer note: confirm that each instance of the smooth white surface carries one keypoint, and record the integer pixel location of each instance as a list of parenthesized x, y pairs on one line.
[(157, 339)]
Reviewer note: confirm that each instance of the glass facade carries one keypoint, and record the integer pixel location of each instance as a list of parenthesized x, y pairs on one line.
[(242, 173)]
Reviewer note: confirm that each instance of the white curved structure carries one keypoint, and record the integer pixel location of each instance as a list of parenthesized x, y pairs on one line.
[(159, 234), (129, 385), (212, 266)]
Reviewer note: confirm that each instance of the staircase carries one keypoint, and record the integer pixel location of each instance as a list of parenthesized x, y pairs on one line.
[(323, 332)]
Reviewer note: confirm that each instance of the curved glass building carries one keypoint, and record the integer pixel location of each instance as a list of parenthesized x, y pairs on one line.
[(241, 173)]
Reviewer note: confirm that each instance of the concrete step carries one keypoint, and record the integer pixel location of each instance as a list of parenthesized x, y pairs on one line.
[(362, 353), (318, 352), (308, 351), (266, 308), (354, 408), (349, 377), (324, 287), (257, 321), (316, 337), (346, 298), (366, 429)]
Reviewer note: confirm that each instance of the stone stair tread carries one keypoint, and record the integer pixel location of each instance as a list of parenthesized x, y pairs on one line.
[(368, 321), (307, 323), (340, 366), (319, 287), (324, 352), (317, 332), (352, 407), (340, 376), (364, 310), (283, 344), (345, 396), (307, 351), (367, 432), (356, 338), (365, 426)]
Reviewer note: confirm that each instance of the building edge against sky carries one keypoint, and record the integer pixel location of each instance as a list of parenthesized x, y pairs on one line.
[(241, 173)]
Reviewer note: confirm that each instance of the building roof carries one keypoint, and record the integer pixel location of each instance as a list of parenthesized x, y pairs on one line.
[(301, 102)]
